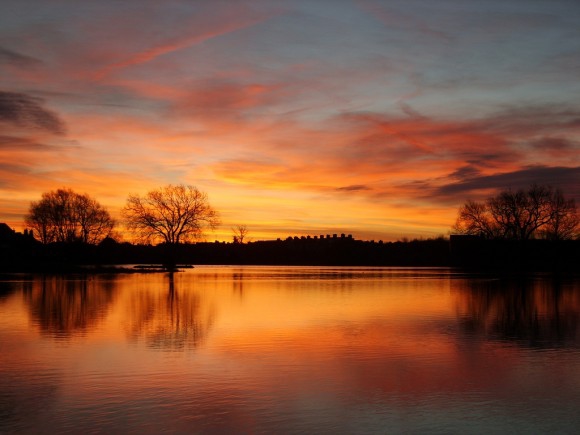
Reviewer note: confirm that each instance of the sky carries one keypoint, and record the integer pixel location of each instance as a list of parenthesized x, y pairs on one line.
[(376, 118)]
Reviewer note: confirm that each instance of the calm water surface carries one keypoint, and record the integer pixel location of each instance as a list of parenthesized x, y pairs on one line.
[(289, 350)]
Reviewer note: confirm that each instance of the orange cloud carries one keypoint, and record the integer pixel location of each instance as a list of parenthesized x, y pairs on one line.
[(307, 121)]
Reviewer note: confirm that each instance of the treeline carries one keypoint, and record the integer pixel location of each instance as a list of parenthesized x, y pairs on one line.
[(23, 253), (533, 229), (466, 252), (176, 214), (337, 251)]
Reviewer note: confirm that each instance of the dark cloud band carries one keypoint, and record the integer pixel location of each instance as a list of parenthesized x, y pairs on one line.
[(568, 179), (26, 111)]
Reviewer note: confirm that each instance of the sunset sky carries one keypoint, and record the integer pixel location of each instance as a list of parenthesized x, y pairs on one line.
[(367, 117)]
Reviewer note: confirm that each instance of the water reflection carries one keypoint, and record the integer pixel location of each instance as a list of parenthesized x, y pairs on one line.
[(535, 313), (168, 319), (293, 350), (23, 394), (316, 273), (238, 279), (65, 307), (6, 288)]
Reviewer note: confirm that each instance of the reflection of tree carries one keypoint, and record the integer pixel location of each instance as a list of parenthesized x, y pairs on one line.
[(65, 306), (6, 289), (169, 320), (238, 283), (541, 313)]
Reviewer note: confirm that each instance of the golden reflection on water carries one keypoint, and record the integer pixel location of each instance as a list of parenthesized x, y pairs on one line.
[(324, 349), (167, 318), (62, 308)]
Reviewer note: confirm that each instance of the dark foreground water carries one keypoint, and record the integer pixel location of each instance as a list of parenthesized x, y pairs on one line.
[(289, 350)]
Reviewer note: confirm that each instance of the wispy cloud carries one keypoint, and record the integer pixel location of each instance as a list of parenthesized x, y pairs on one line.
[(21, 143), (431, 161), (392, 18), (227, 99), (26, 111), (178, 43), (353, 188), (11, 57), (556, 147)]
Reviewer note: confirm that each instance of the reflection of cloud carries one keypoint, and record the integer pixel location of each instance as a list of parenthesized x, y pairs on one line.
[(22, 110), (25, 394)]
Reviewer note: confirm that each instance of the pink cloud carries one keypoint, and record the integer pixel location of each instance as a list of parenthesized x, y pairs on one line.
[(182, 42)]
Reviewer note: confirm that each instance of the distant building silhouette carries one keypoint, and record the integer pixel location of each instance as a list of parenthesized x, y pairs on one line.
[(6, 233)]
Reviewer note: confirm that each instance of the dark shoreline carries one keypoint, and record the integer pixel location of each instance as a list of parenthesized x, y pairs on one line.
[(469, 254)]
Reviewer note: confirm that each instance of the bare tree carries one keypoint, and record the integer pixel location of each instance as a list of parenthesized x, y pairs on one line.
[(520, 214), (93, 221), (565, 220), (538, 211), (240, 233), (172, 214), (66, 216), (475, 219), (39, 220)]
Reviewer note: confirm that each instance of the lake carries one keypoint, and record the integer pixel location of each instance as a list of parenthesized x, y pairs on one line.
[(289, 350)]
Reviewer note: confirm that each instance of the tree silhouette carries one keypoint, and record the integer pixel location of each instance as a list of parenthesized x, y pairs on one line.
[(564, 222), (66, 216), (539, 211), (172, 214), (240, 233)]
